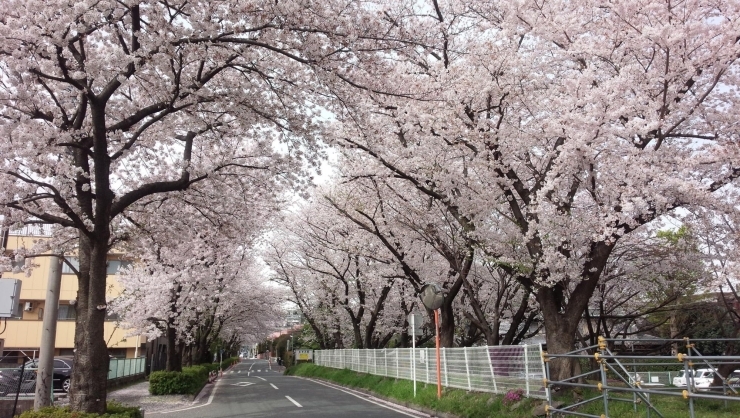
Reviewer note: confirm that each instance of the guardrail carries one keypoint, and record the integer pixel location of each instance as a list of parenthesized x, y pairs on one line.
[(495, 369)]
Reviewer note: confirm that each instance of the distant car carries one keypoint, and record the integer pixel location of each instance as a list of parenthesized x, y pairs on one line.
[(61, 377), (701, 378), (734, 379)]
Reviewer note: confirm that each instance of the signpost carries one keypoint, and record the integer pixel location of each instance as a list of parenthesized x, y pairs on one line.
[(433, 299), (304, 354)]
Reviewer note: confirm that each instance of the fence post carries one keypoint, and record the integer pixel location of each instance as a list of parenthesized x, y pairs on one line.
[(490, 363), (426, 363), (467, 366), (397, 366), (444, 361), (526, 368), (385, 360)]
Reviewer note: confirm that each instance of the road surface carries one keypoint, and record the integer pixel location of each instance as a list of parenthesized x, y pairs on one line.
[(253, 389)]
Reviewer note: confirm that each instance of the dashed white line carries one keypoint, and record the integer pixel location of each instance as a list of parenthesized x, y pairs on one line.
[(261, 378), (294, 402), (273, 386)]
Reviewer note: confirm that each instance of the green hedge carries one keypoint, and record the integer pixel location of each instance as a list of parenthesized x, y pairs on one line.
[(114, 410), (187, 382)]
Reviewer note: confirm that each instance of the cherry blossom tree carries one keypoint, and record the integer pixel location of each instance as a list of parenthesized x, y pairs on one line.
[(195, 277), (645, 283), (549, 131), (340, 278), (106, 103)]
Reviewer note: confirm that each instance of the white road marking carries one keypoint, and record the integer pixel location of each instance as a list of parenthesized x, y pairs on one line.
[(210, 399), (376, 401), (294, 402), (273, 386), (239, 371), (261, 378), (242, 384)]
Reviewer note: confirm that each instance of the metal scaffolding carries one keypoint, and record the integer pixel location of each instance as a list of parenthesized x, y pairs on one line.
[(617, 367)]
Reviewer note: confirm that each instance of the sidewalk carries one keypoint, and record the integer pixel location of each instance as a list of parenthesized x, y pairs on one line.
[(138, 395)]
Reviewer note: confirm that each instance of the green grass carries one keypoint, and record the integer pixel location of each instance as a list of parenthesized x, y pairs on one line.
[(474, 404), (454, 401)]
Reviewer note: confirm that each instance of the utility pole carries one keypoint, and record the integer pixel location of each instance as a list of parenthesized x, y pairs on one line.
[(45, 375)]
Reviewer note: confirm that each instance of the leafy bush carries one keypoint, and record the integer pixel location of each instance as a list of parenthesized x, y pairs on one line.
[(187, 382), (114, 410)]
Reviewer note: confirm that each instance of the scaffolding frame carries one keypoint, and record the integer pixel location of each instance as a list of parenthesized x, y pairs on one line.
[(618, 366)]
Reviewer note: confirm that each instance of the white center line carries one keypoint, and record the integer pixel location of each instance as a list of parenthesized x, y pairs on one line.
[(273, 385), (261, 378), (294, 402)]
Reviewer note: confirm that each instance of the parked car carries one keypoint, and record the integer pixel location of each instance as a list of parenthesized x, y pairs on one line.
[(61, 376), (734, 379), (701, 378)]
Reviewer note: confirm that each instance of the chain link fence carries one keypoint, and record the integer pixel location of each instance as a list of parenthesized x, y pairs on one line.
[(496, 369)]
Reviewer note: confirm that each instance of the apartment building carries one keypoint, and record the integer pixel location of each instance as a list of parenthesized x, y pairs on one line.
[(21, 336)]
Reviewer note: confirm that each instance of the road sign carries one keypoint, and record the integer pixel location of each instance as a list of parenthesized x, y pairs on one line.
[(303, 354)]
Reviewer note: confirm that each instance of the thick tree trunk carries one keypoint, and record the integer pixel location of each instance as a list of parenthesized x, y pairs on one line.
[(90, 374), (174, 351), (447, 315), (560, 337)]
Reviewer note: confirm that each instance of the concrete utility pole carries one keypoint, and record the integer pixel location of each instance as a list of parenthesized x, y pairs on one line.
[(45, 375)]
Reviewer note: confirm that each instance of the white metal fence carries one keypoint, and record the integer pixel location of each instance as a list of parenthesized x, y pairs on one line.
[(496, 369)]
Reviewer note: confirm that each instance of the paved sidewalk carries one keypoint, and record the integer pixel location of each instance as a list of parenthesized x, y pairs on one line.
[(138, 395)]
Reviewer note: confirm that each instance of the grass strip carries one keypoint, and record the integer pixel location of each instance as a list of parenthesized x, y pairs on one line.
[(462, 403), (456, 402)]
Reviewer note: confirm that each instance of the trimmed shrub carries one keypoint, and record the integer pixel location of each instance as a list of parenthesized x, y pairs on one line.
[(113, 410), (187, 382)]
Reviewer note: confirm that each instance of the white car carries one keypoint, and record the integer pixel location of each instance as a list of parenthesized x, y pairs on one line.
[(701, 378)]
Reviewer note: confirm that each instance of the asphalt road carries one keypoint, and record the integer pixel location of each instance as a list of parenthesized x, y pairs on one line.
[(252, 389)]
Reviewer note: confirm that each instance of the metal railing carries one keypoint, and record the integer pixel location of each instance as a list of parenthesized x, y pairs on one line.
[(124, 367), (495, 369), (624, 374)]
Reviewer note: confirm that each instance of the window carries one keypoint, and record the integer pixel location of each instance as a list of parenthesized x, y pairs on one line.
[(114, 265), (61, 364), (72, 260), (67, 312)]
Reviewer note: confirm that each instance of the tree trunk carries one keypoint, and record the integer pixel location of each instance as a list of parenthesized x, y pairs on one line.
[(174, 351), (560, 338), (90, 374), (447, 315)]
